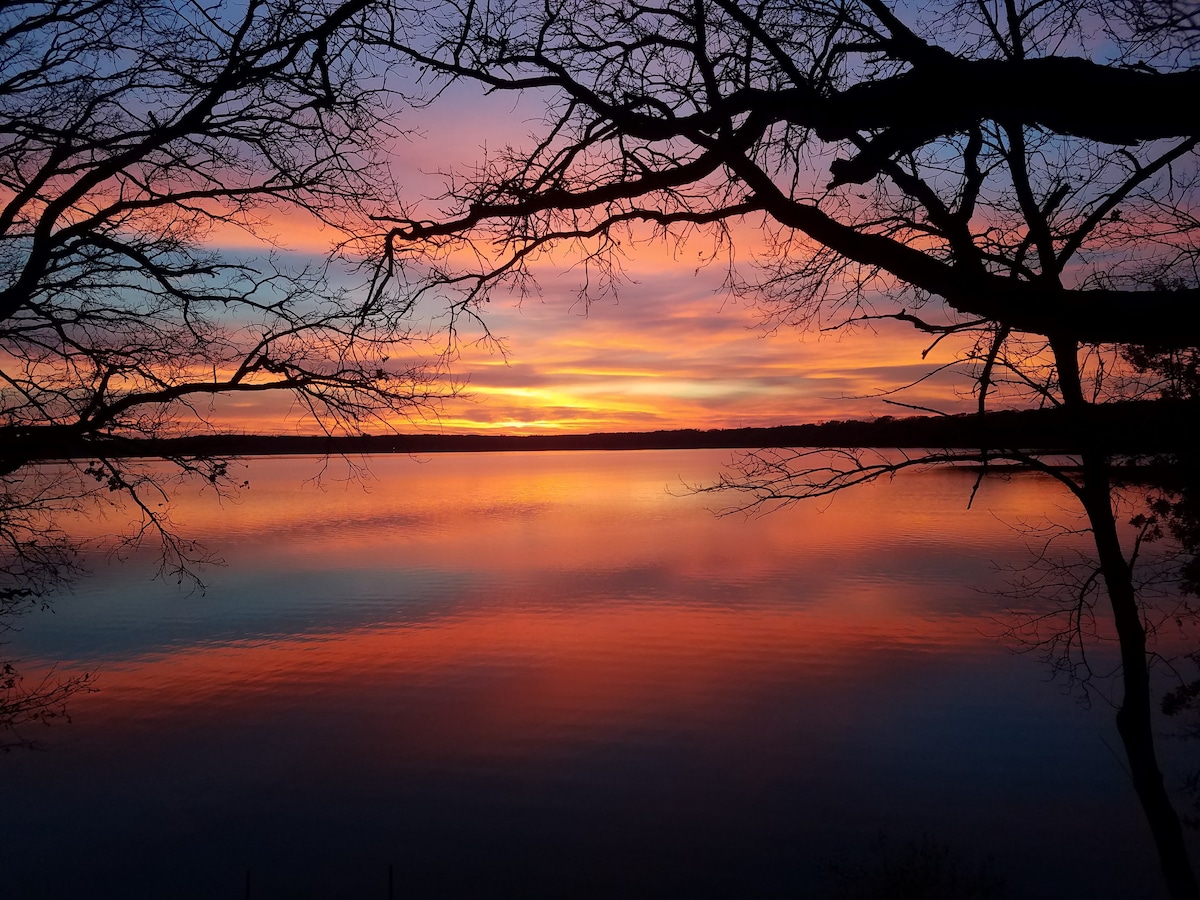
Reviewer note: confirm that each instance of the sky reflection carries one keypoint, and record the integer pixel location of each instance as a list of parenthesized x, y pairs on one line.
[(548, 675)]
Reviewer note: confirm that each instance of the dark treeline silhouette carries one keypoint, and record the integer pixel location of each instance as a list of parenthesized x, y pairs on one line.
[(1130, 428)]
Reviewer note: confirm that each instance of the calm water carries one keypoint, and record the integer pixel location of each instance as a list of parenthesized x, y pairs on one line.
[(553, 675)]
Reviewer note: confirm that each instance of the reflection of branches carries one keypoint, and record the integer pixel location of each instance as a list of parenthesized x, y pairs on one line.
[(1056, 592), (1060, 591), (772, 476), (146, 492), (37, 557), (1054, 595), (1053, 599), (34, 559), (22, 705)]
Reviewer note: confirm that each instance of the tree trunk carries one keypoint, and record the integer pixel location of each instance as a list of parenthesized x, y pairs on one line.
[(1134, 717), (1134, 722)]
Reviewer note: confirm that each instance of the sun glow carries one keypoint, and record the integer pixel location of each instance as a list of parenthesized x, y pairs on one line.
[(666, 346)]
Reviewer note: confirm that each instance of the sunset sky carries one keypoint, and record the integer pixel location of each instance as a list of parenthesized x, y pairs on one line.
[(674, 350)]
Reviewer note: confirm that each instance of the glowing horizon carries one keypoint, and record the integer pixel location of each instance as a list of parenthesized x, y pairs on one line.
[(672, 350)]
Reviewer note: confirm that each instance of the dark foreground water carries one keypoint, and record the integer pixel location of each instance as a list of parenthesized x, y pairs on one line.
[(551, 675)]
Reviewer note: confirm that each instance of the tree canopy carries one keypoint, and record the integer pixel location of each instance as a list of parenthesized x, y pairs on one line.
[(137, 136), (131, 134), (1025, 171), (1021, 173)]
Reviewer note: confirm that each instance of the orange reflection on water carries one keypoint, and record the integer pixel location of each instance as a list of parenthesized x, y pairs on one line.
[(480, 640), (506, 604), (514, 681), (497, 509)]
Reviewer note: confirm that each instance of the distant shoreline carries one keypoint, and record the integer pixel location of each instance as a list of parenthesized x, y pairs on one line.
[(1138, 427)]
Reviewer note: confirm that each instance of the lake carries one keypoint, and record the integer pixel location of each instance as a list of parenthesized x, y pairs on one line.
[(561, 675)]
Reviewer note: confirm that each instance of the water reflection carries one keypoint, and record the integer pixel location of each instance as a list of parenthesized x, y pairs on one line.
[(550, 675), (1064, 619)]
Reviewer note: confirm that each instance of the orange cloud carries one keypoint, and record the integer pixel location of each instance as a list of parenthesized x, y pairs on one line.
[(672, 350)]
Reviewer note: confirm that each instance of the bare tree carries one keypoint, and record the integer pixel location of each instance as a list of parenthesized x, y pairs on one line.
[(1019, 175), (131, 134), (131, 131), (969, 167), (135, 135)]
